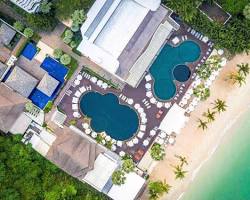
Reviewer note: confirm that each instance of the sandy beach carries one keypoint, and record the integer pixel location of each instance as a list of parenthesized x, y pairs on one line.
[(198, 145)]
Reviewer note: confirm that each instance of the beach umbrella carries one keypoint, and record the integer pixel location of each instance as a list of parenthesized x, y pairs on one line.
[(130, 143), (93, 79), (94, 134), (104, 85), (113, 148), (122, 153), (74, 106), (82, 89), (205, 39), (88, 131), (135, 140), (160, 141), (140, 110), (167, 105), (163, 135), (113, 141), (130, 101), (137, 106), (148, 86), (143, 114), (144, 120), (143, 128), (159, 104), (184, 101), (190, 91), (153, 100), (77, 82), (152, 132), (99, 83), (148, 77), (220, 52), (103, 142), (223, 62), (85, 125), (145, 143), (149, 94), (79, 77), (76, 114), (191, 108), (119, 143), (171, 140), (140, 134), (108, 138), (78, 93), (75, 100)]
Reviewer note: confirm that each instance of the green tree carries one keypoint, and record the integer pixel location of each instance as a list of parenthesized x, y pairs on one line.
[(202, 92), (238, 78), (65, 59), (67, 40), (74, 27), (210, 115), (179, 173), (202, 124), (204, 72), (18, 25), (243, 69), (219, 105), (45, 6), (41, 22), (157, 152), (118, 177), (157, 189), (73, 44), (246, 11), (68, 33), (78, 17), (182, 159), (57, 53), (28, 32), (128, 165), (29, 106)]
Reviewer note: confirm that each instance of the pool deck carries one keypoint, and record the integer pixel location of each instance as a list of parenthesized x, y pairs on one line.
[(138, 94)]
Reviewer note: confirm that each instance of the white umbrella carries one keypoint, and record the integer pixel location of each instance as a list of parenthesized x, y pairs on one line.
[(140, 110), (145, 143), (108, 138), (74, 106), (137, 106), (205, 39), (152, 132), (99, 83), (191, 108), (147, 85), (76, 114), (160, 141), (119, 143), (187, 96), (104, 85), (140, 134), (163, 135), (103, 142), (144, 120), (148, 77), (167, 105), (85, 125), (190, 91), (82, 89), (113, 141), (75, 100), (171, 140), (130, 101), (143, 115), (135, 140), (77, 82), (184, 101), (79, 77), (113, 148), (122, 153), (78, 93), (88, 131), (159, 104), (93, 79), (220, 52), (223, 62), (94, 134), (130, 143), (153, 100), (143, 128), (149, 94)]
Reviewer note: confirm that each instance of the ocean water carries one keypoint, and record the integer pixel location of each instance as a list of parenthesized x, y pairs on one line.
[(226, 175)]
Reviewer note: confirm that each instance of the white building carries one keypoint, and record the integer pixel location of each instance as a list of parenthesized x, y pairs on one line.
[(29, 6), (124, 36)]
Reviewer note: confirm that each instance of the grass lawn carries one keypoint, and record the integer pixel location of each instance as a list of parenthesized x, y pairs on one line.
[(48, 107), (72, 68)]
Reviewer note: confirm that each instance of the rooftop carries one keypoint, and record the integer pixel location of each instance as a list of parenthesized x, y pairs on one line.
[(21, 81), (6, 34), (48, 85), (29, 6), (3, 69)]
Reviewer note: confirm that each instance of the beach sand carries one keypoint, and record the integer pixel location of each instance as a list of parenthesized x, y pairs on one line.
[(198, 145)]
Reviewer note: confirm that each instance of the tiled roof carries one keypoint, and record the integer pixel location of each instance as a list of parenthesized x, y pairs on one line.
[(48, 85), (6, 34)]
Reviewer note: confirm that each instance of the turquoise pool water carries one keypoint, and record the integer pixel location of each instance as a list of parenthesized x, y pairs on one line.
[(107, 114), (163, 67)]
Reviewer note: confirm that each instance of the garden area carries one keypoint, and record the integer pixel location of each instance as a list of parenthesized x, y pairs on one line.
[(26, 175)]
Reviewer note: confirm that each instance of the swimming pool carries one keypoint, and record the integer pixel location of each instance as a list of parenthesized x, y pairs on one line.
[(170, 66), (29, 51), (107, 114)]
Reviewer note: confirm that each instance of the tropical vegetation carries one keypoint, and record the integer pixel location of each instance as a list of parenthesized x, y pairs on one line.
[(18, 25), (179, 172), (182, 159), (128, 165), (28, 32), (65, 59), (25, 174), (118, 177), (246, 11), (157, 152), (57, 53), (202, 124), (157, 189), (201, 92), (243, 69), (237, 78), (210, 115), (45, 6), (219, 105)]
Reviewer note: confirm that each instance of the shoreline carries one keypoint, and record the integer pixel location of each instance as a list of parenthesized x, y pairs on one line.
[(197, 145)]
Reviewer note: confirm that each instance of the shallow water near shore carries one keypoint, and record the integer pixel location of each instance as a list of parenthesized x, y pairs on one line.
[(226, 176)]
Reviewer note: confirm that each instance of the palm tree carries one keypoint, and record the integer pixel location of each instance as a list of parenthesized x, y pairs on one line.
[(243, 69), (202, 124), (183, 159), (179, 173), (157, 189), (219, 105), (237, 78), (209, 115)]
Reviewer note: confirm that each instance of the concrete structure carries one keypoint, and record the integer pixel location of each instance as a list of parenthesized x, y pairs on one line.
[(118, 32), (48, 85), (30, 6), (6, 34)]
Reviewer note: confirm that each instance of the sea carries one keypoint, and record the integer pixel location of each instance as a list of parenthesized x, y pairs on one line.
[(226, 175)]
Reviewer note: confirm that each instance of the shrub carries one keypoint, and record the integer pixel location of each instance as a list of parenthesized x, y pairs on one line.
[(65, 59), (28, 32), (118, 177), (202, 92), (48, 107), (29, 106), (246, 11), (67, 40), (128, 165), (45, 7), (72, 122), (68, 34), (78, 17), (58, 53), (157, 152), (157, 189), (75, 27), (41, 22), (73, 44), (18, 26)]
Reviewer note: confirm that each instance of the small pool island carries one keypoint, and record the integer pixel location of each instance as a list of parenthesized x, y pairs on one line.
[(119, 121)]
